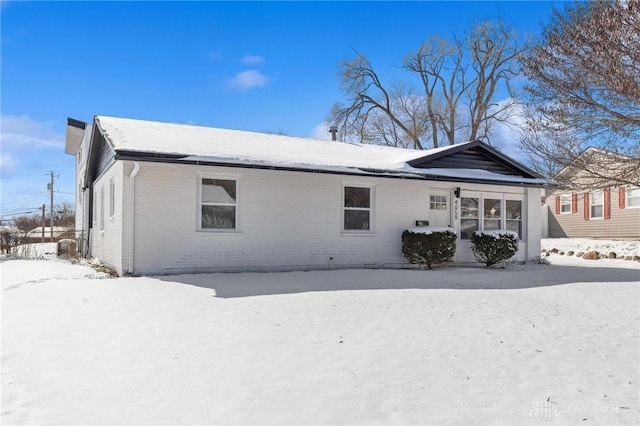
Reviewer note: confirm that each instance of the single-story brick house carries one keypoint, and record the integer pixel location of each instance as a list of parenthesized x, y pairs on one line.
[(162, 198), (591, 207)]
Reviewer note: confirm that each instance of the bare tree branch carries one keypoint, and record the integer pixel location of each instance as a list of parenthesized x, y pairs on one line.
[(584, 91), (460, 79)]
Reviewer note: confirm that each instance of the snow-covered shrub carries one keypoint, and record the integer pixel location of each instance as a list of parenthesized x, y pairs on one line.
[(491, 247), (429, 245)]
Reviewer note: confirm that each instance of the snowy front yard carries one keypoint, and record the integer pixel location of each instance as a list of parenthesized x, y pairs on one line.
[(553, 344)]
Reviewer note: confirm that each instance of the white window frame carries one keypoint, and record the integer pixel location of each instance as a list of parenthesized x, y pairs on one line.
[(628, 196), (370, 209), (199, 227), (503, 197), (94, 207), (523, 228), (492, 196), (566, 200), (478, 219), (102, 208), (112, 198), (592, 204), (437, 201)]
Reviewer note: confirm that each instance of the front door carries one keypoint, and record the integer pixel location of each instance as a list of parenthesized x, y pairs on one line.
[(439, 208)]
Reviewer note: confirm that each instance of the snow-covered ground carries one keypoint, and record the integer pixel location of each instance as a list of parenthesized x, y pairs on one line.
[(533, 344), (620, 247)]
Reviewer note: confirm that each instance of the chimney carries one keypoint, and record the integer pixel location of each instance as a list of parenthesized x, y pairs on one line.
[(333, 129)]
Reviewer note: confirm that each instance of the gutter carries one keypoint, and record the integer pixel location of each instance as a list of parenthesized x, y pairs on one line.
[(132, 215)]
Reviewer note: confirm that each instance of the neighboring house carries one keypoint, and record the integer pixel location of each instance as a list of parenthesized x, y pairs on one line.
[(161, 198), (588, 207), (59, 232)]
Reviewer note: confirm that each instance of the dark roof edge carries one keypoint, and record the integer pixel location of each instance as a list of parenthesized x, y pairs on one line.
[(179, 159), (488, 148), (445, 153), (76, 123)]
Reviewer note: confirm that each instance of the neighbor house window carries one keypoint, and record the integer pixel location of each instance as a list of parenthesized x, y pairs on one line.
[(357, 208), (438, 202), (112, 198), (596, 205), (633, 197), (102, 208), (469, 219), (218, 204), (513, 215), (565, 204), (492, 214)]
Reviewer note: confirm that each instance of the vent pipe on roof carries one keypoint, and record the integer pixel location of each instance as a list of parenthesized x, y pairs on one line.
[(333, 129)]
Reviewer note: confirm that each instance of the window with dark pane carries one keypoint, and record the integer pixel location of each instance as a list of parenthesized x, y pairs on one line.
[(357, 197), (513, 216), (218, 209), (492, 214), (357, 209), (597, 204), (469, 220), (438, 202), (565, 203)]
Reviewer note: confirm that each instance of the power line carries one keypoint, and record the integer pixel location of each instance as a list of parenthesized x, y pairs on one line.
[(15, 212), (12, 215), (26, 199)]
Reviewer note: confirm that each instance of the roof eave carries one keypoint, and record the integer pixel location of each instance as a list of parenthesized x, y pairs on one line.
[(155, 157), (491, 151), (74, 135)]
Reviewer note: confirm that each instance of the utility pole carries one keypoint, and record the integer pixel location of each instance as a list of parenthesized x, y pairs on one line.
[(43, 222), (51, 211)]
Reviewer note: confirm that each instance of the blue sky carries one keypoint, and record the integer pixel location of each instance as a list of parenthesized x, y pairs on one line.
[(259, 66)]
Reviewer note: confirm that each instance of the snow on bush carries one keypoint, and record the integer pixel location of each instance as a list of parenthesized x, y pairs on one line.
[(431, 229), (429, 245), (491, 247)]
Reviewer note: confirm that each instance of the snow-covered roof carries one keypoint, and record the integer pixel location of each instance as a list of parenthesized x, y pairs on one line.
[(169, 138), (57, 231), (196, 144)]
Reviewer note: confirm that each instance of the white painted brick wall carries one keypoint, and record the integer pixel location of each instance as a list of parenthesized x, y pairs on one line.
[(107, 245), (287, 221)]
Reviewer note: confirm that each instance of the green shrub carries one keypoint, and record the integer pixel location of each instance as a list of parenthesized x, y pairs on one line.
[(491, 247), (429, 245)]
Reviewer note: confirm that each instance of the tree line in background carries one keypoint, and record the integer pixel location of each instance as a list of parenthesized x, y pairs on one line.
[(581, 89), (18, 232)]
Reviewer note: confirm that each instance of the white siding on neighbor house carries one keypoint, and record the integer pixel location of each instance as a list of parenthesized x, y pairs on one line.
[(286, 220), (106, 245)]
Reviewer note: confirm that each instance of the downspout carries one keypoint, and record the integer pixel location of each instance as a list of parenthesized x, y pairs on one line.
[(132, 210)]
